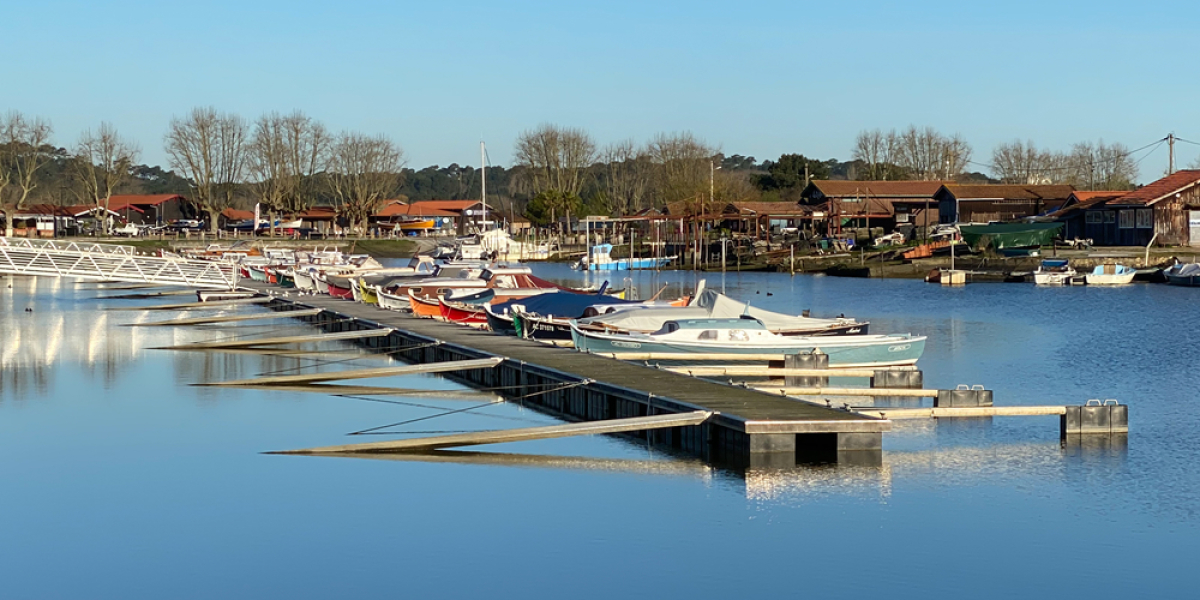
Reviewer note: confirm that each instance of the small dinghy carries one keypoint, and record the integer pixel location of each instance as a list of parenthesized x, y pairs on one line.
[(1111, 275)]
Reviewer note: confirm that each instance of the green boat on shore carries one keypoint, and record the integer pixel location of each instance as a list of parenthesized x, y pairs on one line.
[(1010, 235)]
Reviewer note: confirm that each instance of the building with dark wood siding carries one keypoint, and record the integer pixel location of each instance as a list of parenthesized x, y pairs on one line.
[(887, 203), (152, 209), (989, 203)]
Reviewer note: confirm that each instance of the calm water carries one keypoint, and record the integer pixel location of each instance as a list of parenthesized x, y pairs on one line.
[(121, 480)]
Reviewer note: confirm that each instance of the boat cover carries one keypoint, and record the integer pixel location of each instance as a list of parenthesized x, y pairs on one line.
[(554, 304), (710, 304), (1185, 270), (1011, 235)]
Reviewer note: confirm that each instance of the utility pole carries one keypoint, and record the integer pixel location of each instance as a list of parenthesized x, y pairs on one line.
[(806, 178), (483, 182), (1171, 153), (712, 182)]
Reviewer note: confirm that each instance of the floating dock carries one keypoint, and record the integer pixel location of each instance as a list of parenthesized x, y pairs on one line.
[(746, 427)]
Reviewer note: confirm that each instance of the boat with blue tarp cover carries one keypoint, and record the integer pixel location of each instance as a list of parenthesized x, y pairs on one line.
[(1056, 271)]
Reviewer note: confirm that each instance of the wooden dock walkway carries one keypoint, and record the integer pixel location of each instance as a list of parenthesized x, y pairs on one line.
[(766, 428)]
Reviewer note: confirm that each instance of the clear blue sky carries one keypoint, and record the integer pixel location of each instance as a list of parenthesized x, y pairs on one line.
[(755, 78)]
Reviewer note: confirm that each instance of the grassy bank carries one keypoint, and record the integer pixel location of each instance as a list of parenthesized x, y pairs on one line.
[(384, 248)]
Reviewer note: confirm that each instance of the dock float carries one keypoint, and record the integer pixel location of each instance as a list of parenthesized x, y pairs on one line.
[(306, 312), (748, 428), (518, 435), (211, 304), (869, 392), (275, 341), (437, 367)]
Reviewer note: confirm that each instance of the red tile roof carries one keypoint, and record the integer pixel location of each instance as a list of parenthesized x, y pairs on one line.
[(400, 209), (452, 205), (48, 210), (234, 214), (1163, 188), (1084, 200), (318, 212), (144, 199)]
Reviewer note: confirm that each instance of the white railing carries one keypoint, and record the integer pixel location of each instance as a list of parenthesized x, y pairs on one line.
[(69, 246), (109, 262)]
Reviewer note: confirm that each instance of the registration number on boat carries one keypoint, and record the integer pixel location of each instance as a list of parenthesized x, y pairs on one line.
[(900, 348), (627, 344)]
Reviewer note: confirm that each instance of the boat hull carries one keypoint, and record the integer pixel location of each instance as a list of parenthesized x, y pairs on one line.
[(428, 309), (501, 324), (625, 264), (1184, 280), (1053, 278), (455, 314), (393, 302), (538, 328), (340, 292), (1121, 279), (843, 351), (303, 281)]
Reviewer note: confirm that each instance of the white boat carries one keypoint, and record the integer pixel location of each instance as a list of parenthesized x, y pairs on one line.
[(711, 304), (730, 339), (600, 259), (1054, 272), (1111, 275), (303, 279), (392, 301)]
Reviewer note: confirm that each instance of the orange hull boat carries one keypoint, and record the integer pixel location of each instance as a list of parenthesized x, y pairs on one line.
[(427, 309)]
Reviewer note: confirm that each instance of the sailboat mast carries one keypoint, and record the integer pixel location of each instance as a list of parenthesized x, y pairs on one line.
[(483, 179)]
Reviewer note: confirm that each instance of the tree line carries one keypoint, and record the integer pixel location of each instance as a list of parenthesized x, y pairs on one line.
[(290, 162)]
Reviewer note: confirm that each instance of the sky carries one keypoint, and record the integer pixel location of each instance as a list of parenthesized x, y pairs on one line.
[(758, 79)]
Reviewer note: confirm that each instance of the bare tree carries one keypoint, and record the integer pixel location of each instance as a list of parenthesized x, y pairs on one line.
[(268, 165), (683, 168), (102, 163), (283, 157), (1100, 166), (24, 144), (877, 150), (363, 172), (209, 149), (627, 171), (1023, 162), (307, 143), (556, 158), (929, 155)]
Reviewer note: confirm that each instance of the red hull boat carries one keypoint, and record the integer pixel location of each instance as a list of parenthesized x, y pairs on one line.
[(455, 314), (340, 292)]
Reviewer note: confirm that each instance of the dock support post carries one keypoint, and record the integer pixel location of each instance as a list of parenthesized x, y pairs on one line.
[(962, 397), (808, 360), (863, 448), (886, 379), (1095, 418)]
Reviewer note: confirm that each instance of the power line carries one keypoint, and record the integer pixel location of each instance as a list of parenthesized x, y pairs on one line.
[(1107, 159)]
